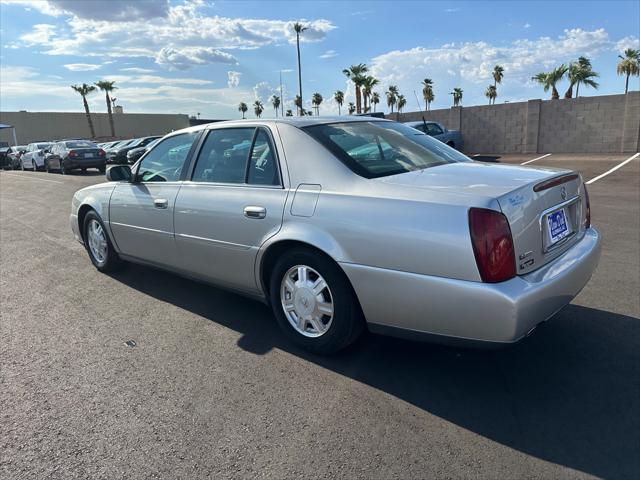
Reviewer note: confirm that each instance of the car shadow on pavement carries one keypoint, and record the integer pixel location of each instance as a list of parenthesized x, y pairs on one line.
[(568, 394)]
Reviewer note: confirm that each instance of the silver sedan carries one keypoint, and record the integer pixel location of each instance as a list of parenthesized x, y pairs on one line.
[(344, 225)]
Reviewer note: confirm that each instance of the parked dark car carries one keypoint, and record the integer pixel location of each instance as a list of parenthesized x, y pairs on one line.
[(135, 153), (5, 162), (119, 153), (75, 155), (453, 138), (13, 156)]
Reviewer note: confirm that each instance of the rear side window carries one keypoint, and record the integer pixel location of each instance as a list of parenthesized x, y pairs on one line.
[(237, 155), (379, 149)]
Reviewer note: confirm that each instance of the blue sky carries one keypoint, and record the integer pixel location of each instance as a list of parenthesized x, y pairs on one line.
[(190, 56)]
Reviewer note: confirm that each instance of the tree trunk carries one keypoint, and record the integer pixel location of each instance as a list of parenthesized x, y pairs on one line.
[(554, 93), (626, 84), (299, 72), (358, 100), (339, 110), (86, 111), (569, 92), (113, 130), (577, 88)]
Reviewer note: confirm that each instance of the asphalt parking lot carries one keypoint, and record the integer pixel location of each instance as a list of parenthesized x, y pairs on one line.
[(213, 390)]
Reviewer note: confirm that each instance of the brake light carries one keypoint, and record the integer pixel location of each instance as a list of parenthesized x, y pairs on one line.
[(73, 153), (101, 153), (587, 220), (492, 245)]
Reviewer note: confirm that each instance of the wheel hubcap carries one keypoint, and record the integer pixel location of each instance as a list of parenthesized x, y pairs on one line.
[(307, 301), (97, 241)]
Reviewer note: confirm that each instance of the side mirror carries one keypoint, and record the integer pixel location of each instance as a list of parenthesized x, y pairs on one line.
[(119, 173)]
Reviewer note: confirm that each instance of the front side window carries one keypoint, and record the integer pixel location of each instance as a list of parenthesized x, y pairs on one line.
[(378, 149), (434, 129), (165, 162)]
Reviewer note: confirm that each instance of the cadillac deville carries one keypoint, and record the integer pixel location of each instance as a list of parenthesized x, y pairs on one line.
[(343, 225)]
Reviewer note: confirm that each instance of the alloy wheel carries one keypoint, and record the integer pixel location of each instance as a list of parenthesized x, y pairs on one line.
[(97, 241)]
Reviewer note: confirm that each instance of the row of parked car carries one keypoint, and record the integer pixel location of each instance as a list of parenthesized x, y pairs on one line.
[(66, 155)]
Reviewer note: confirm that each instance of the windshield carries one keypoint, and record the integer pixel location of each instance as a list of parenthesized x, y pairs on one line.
[(40, 146), (80, 144), (379, 149)]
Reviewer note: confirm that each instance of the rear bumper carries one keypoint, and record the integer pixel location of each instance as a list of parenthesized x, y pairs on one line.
[(414, 305), (92, 163)]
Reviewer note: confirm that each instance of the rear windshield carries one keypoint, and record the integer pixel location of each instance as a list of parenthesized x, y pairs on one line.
[(380, 149), (40, 146), (80, 145)]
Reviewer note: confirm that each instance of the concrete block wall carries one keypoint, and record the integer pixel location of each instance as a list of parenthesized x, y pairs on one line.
[(602, 124), (33, 126)]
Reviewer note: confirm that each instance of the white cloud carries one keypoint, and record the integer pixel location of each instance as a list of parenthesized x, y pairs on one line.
[(233, 79), (97, 9), (627, 42), (527, 25), (471, 63), (41, 33), (451, 10), (188, 57), (329, 54), (184, 28), (82, 67), (136, 70)]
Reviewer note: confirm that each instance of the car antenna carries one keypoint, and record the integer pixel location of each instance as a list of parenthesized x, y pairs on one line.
[(424, 122)]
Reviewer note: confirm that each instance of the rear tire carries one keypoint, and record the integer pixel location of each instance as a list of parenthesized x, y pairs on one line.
[(84, 170), (102, 169), (46, 166), (323, 333), (98, 245), (34, 165)]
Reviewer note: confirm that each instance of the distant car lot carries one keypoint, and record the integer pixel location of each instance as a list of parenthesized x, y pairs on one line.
[(211, 387)]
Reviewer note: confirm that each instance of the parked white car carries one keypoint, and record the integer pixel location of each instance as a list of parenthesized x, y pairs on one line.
[(33, 158)]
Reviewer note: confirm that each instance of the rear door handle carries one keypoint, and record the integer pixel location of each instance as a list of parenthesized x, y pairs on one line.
[(255, 212), (160, 203)]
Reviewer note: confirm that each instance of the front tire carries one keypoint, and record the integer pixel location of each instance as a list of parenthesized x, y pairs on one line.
[(34, 165), (98, 245), (314, 303)]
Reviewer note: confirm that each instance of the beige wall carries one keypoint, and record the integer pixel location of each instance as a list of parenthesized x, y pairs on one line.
[(32, 126), (602, 124)]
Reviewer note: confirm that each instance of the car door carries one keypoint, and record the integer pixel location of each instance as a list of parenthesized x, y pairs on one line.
[(141, 211), (25, 159), (233, 202)]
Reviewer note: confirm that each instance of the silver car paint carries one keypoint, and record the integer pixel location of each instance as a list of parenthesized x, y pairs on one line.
[(403, 241)]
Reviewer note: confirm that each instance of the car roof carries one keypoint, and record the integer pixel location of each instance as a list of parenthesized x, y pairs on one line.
[(419, 122)]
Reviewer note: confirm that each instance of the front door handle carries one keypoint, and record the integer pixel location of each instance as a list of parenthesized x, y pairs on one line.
[(255, 212), (160, 202)]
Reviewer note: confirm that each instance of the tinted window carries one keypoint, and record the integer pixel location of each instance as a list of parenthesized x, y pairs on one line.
[(165, 162), (377, 149), (263, 168), (42, 146), (434, 129), (80, 145), (223, 158)]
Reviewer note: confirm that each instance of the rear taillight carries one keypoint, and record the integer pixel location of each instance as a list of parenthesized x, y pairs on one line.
[(101, 153), (73, 154), (492, 245), (587, 220)]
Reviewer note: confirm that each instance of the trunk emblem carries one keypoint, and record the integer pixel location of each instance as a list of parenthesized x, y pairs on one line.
[(563, 193)]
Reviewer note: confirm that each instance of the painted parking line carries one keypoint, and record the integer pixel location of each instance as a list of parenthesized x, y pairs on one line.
[(26, 177), (620, 165), (535, 159)]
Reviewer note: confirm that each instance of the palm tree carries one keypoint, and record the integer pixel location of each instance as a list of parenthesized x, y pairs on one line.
[(498, 75), (352, 108), (299, 28), (457, 96), (580, 72), (85, 90), (550, 79), (629, 65), (392, 96), (298, 103), (356, 74), (243, 108), (401, 103), (289, 113), (258, 108), (427, 92), (108, 87), (375, 100), (275, 101), (316, 101), (339, 98), (491, 93), (367, 88)]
